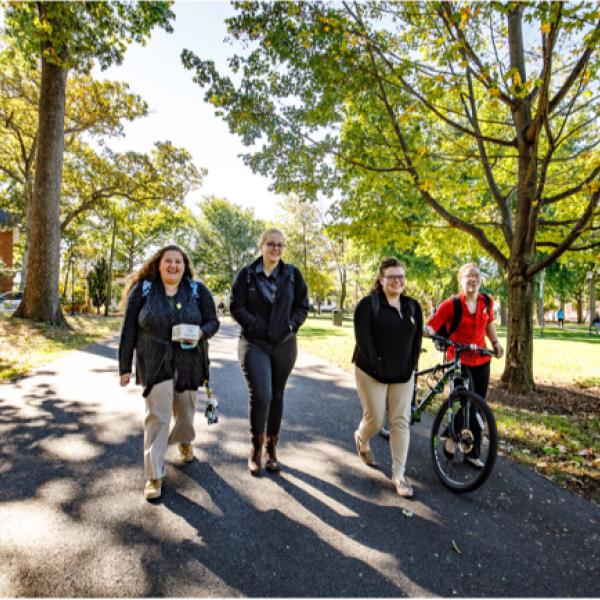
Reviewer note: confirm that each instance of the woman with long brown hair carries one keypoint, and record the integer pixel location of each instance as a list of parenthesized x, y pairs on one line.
[(160, 296)]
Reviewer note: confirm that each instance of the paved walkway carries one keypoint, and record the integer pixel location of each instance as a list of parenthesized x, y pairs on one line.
[(73, 521)]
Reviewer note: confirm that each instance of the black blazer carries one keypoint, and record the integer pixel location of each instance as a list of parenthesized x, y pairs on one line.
[(260, 320), (387, 344)]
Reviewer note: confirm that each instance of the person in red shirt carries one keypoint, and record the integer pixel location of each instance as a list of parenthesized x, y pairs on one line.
[(476, 323)]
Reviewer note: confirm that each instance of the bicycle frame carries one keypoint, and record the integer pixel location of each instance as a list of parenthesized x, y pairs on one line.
[(452, 370)]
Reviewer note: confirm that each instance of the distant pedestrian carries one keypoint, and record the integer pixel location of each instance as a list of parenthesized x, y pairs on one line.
[(388, 331), (596, 323), (160, 295), (269, 301), (560, 317), (471, 324)]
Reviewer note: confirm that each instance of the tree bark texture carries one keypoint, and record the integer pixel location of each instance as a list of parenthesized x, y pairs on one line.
[(41, 298), (518, 370)]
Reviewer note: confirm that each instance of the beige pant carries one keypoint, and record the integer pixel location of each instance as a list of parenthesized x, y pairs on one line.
[(374, 396), (161, 403)]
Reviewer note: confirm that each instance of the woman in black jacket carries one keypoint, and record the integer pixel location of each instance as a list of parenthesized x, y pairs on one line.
[(388, 330), (269, 301), (160, 295)]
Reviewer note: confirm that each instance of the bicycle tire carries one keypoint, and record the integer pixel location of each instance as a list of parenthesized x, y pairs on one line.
[(453, 468)]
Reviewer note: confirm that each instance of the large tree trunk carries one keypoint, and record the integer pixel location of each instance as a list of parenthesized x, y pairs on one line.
[(518, 371), (41, 298)]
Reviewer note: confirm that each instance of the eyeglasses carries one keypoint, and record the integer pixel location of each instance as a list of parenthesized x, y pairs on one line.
[(277, 245), (394, 277)]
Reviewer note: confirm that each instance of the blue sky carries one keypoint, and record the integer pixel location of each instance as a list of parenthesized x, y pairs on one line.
[(177, 109)]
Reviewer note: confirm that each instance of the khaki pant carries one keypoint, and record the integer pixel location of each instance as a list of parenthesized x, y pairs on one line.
[(374, 396), (161, 403)]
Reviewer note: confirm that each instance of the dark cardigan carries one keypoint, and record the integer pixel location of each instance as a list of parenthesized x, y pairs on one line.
[(260, 320), (147, 330), (388, 345)]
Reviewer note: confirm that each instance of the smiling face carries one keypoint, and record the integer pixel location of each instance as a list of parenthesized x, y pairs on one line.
[(470, 280), (171, 267), (272, 248), (393, 281)]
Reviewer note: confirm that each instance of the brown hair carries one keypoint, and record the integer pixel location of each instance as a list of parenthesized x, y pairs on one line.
[(149, 270), (464, 268), (386, 263), (268, 232)]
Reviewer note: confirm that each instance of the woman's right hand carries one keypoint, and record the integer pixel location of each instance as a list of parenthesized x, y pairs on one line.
[(124, 379)]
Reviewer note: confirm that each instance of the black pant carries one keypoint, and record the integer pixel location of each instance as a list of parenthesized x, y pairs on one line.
[(266, 369), (480, 379)]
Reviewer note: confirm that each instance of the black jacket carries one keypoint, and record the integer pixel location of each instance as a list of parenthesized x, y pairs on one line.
[(260, 320), (147, 330), (388, 345)]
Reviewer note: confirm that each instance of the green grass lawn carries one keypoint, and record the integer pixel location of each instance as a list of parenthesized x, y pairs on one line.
[(568, 356)]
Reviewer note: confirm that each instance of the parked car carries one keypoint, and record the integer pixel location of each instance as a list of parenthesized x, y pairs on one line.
[(9, 301)]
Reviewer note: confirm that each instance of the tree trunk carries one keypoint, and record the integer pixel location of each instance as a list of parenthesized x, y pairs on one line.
[(110, 269), (518, 370), (579, 304), (41, 298)]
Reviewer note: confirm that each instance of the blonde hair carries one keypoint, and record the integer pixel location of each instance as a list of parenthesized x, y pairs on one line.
[(267, 232), (465, 268)]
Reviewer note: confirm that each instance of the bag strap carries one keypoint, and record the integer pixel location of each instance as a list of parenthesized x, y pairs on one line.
[(457, 311)]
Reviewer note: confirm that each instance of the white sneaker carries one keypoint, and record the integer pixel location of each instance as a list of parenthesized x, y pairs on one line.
[(476, 462), (403, 487)]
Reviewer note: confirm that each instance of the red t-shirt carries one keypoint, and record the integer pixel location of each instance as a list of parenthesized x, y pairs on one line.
[(470, 330)]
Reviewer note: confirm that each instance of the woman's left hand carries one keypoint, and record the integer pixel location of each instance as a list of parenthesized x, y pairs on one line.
[(499, 350)]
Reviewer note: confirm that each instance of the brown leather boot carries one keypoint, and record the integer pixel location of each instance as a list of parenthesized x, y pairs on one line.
[(272, 462), (258, 439)]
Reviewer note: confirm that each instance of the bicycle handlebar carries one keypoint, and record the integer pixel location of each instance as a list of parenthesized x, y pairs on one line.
[(459, 348)]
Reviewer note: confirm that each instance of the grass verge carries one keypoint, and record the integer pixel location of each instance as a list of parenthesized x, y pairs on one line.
[(25, 345)]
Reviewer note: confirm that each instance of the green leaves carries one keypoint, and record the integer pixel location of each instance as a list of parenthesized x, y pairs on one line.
[(74, 34)]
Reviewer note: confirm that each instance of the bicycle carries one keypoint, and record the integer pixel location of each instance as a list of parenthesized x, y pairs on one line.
[(462, 418)]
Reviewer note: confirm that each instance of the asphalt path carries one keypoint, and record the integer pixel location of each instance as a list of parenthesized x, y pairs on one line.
[(73, 520)]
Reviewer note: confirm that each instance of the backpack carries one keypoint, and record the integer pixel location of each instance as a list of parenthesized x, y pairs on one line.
[(457, 315), (376, 305), (203, 342)]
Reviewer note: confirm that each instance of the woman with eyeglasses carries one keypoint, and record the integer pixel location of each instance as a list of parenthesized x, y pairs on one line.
[(269, 301), (388, 331)]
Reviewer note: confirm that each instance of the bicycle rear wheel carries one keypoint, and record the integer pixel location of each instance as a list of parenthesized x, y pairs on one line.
[(457, 441)]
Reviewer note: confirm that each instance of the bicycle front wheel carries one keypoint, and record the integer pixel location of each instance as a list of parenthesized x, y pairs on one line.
[(464, 442)]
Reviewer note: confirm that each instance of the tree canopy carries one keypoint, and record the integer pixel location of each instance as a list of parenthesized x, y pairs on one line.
[(478, 117)]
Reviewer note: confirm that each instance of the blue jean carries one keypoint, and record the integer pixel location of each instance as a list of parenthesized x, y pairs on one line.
[(266, 369)]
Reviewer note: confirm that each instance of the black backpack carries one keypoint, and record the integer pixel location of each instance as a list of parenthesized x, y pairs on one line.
[(457, 315)]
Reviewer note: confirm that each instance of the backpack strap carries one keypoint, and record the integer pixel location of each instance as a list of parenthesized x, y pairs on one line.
[(457, 311), (146, 287), (456, 314)]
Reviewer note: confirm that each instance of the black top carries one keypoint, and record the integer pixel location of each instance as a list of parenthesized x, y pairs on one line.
[(267, 284), (147, 330), (260, 320), (388, 343)]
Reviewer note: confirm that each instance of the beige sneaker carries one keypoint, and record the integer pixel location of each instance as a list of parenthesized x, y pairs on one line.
[(153, 489), (186, 452), (403, 487)]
